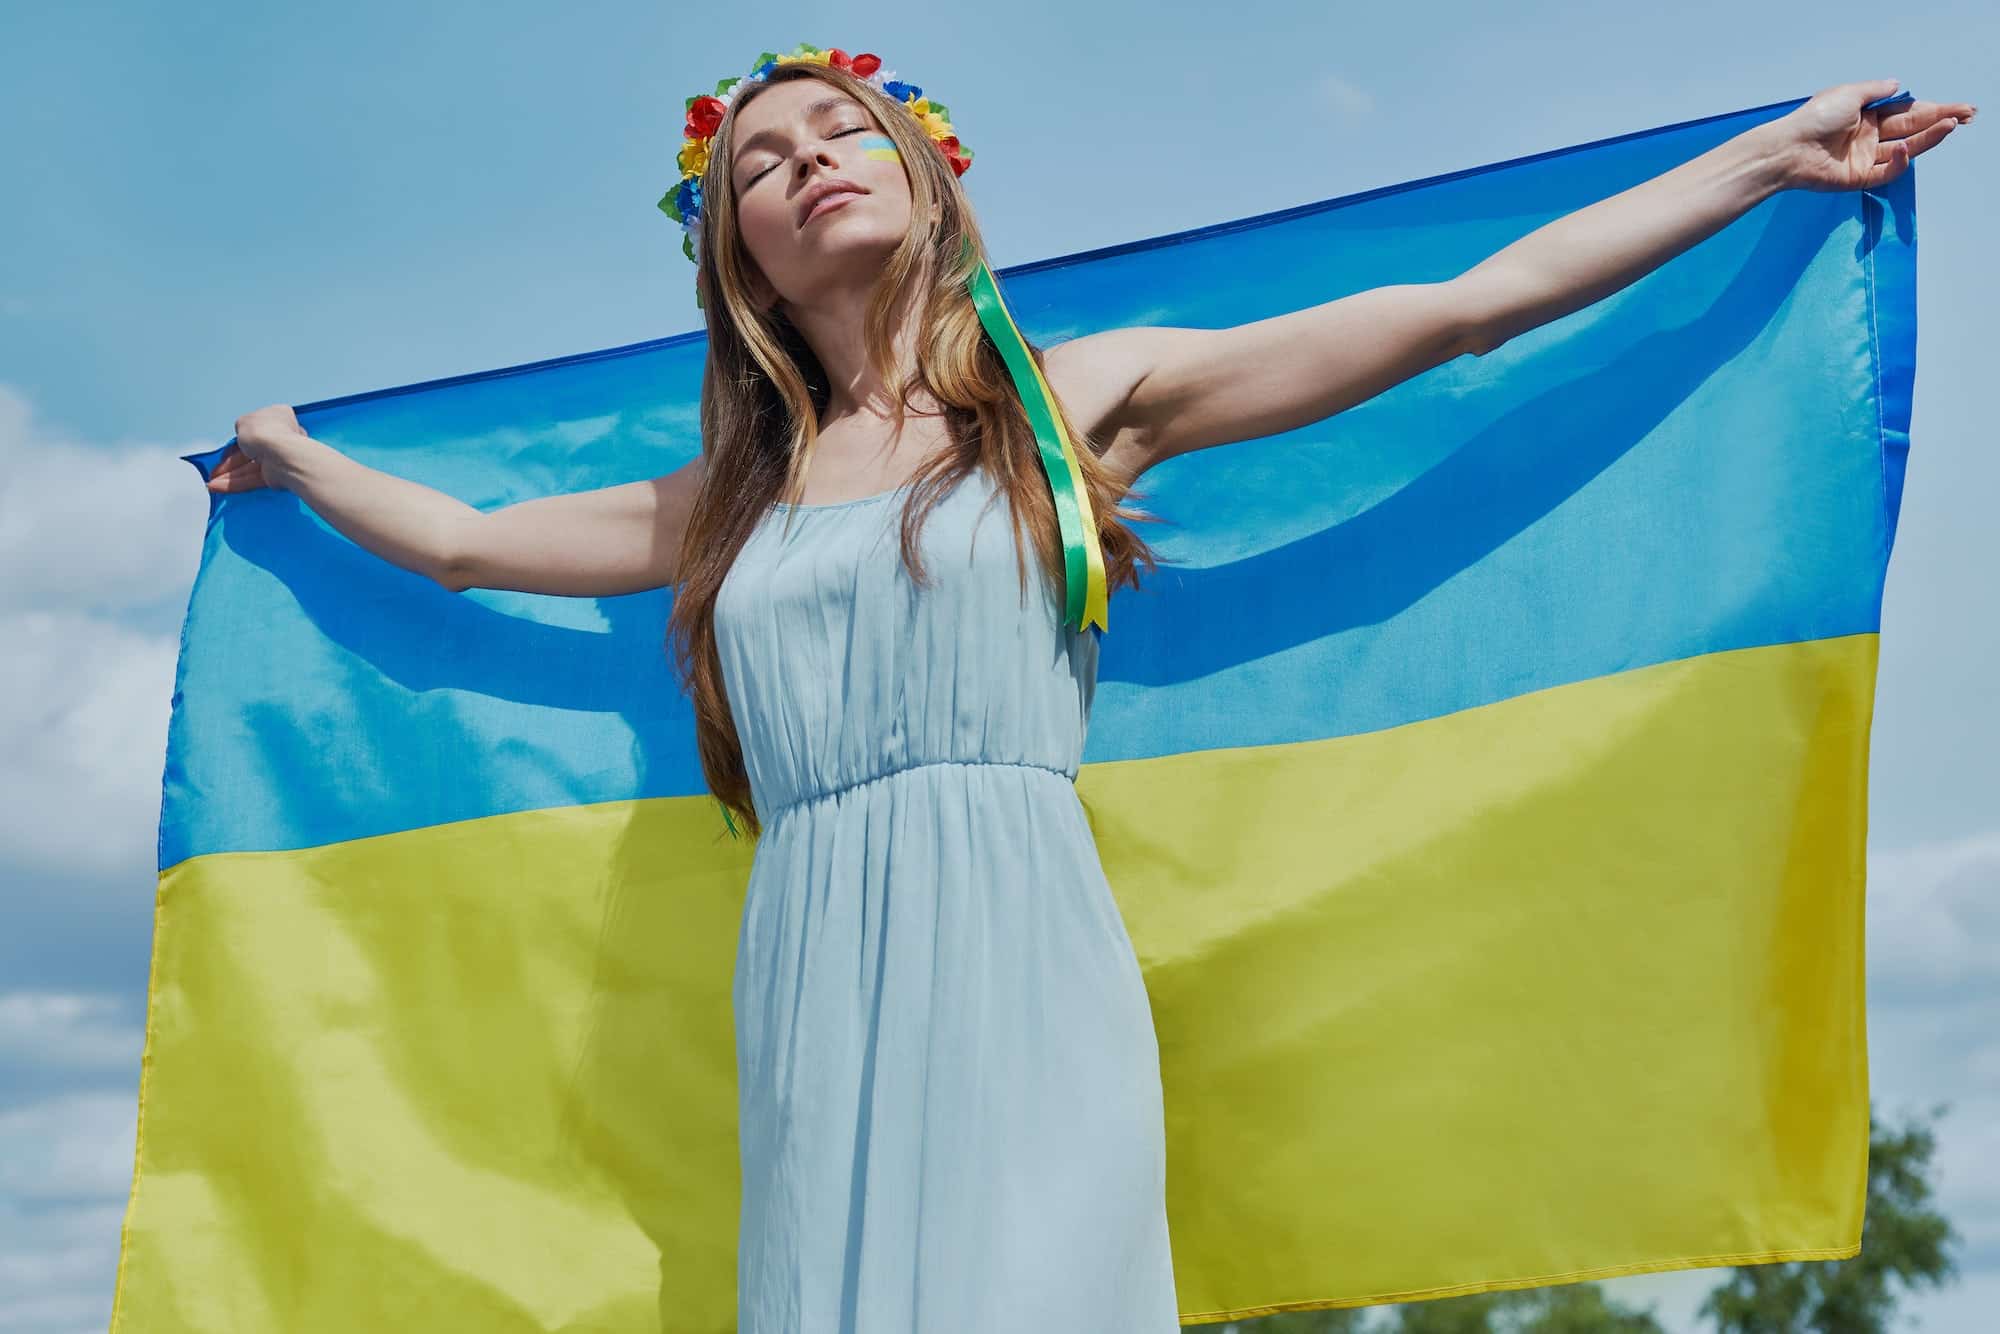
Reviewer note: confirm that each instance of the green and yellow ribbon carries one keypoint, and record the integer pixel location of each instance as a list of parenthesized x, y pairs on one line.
[(1083, 558)]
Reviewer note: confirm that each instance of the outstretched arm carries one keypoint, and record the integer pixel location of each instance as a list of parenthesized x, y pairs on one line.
[(1151, 393)]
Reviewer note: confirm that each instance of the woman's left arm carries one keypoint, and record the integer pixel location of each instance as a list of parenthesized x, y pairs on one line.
[(1150, 393)]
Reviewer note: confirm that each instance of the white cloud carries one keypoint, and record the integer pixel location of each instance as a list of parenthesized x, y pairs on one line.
[(1673, 1296), (92, 540), (65, 1160), (89, 535), (74, 1147), (87, 527), (1934, 921), (84, 704), (91, 527), (1348, 99), (58, 1265), (57, 1031)]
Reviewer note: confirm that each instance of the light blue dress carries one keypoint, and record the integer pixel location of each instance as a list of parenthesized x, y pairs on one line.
[(948, 1074)]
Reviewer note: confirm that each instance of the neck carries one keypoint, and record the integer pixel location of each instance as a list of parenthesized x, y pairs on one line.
[(833, 327)]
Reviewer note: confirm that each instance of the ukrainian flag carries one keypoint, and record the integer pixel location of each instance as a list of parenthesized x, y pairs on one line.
[(1483, 784)]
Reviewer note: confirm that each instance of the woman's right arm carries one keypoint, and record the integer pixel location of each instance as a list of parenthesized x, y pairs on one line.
[(587, 544), (598, 543)]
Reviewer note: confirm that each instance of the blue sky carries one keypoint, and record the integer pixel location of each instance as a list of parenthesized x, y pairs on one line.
[(211, 208)]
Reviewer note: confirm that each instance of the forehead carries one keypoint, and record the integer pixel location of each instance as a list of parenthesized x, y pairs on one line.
[(791, 102)]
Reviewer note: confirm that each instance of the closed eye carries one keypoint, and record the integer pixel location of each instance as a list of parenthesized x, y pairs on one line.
[(859, 129)]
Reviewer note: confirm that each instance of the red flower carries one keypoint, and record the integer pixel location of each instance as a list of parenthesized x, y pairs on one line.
[(866, 64), (839, 59), (953, 154), (705, 116)]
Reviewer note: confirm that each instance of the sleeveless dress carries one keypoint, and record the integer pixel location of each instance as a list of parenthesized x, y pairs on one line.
[(948, 1076)]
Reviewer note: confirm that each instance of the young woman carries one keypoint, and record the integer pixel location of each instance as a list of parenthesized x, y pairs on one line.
[(948, 1076)]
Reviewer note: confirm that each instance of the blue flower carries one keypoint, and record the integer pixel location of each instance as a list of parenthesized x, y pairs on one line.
[(901, 91), (763, 71), (688, 200)]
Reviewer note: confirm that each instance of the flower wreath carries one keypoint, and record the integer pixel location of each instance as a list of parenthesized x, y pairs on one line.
[(706, 110)]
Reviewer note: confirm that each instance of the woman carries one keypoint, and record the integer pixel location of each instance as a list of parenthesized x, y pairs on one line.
[(950, 1101)]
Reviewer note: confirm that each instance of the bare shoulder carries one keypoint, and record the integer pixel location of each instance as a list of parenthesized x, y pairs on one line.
[(1095, 375)]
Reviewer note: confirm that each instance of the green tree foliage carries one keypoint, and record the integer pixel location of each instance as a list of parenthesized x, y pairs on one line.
[(1905, 1246)]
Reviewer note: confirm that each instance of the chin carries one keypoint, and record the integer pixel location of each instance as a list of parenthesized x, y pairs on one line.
[(857, 242)]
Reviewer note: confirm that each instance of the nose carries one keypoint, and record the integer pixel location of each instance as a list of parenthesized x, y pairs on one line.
[(819, 153)]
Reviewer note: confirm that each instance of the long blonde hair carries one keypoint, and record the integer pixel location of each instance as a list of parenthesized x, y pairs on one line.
[(763, 392)]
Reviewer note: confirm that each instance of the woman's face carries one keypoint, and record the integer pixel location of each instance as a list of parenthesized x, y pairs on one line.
[(792, 139)]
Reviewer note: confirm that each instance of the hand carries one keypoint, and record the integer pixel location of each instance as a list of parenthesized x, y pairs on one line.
[(1829, 143), (259, 434)]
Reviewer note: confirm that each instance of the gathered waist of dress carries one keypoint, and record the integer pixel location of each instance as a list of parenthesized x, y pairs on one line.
[(794, 802)]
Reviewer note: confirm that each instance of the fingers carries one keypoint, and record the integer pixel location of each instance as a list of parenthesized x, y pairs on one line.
[(1922, 115), (1893, 158), (237, 472), (236, 481), (1891, 161), (1912, 144)]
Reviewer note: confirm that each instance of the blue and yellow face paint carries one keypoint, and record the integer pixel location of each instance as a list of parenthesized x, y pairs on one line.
[(880, 148)]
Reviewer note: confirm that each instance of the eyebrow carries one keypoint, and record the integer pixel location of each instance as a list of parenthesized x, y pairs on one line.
[(824, 104)]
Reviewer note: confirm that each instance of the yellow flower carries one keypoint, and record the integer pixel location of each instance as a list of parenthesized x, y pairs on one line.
[(934, 125), (813, 58), (694, 157)]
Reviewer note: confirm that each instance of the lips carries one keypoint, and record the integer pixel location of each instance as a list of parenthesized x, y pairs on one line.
[(823, 190), (837, 197)]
